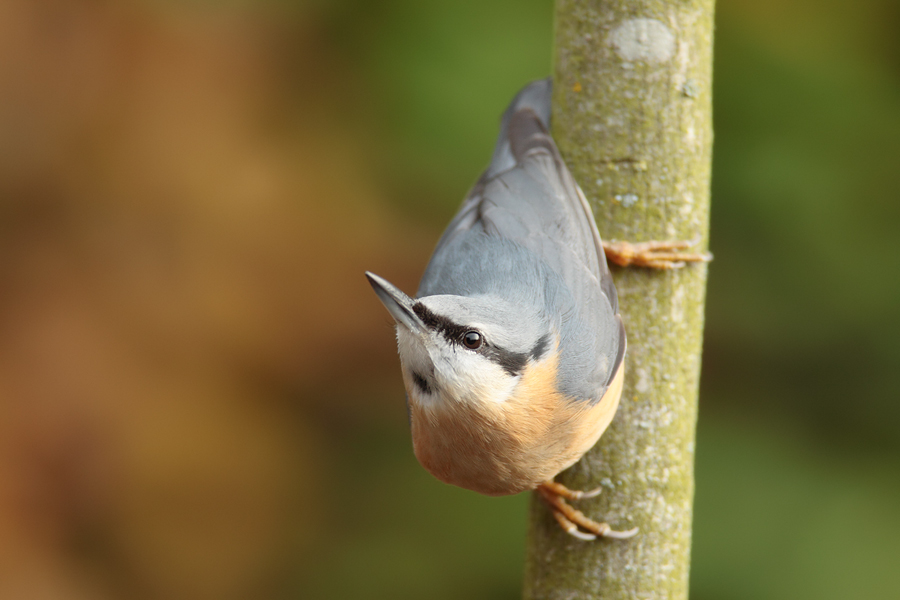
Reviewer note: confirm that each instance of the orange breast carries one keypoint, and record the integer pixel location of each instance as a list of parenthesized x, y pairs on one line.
[(508, 447)]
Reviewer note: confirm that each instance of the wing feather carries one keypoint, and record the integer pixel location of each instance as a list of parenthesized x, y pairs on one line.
[(527, 198)]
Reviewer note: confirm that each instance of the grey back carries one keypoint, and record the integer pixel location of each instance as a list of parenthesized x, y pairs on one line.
[(526, 234)]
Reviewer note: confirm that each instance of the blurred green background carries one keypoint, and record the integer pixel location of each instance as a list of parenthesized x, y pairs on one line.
[(199, 395)]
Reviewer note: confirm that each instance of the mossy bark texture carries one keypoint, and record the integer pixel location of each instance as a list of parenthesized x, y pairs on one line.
[(632, 117)]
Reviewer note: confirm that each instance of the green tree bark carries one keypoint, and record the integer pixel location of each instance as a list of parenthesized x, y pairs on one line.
[(632, 117)]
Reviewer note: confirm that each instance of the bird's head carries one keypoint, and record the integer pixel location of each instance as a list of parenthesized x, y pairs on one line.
[(463, 349)]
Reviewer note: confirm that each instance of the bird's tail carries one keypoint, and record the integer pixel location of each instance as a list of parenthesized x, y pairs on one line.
[(519, 125), (526, 127)]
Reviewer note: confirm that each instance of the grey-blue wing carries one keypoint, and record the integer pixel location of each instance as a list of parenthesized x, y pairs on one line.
[(526, 231)]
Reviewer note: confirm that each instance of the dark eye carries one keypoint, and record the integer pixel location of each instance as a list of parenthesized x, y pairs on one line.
[(472, 340)]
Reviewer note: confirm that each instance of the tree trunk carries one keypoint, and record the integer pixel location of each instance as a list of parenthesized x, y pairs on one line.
[(632, 118)]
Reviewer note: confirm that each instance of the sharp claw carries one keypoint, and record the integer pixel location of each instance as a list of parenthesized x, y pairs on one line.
[(560, 490), (570, 519), (591, 494), (654, 254), (575, 532), (621, 535)]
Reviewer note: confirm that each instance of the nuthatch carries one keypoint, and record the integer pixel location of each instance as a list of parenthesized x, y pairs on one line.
[(512, 352)]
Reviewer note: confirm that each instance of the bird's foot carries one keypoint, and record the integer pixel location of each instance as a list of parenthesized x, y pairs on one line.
[(573, 521), (655, 255)]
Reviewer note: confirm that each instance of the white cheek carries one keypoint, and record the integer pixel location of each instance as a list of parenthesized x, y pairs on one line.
[(470, 377), (460, 375), (413, 353)]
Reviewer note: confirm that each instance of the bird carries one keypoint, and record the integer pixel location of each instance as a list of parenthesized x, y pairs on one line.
[(512, 351)]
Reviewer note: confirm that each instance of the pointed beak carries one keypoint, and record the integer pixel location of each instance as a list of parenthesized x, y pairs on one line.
[(398, 304)]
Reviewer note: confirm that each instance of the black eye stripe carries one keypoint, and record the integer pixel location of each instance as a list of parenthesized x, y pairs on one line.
[(540, 348), (511, 362), (450, 330)]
